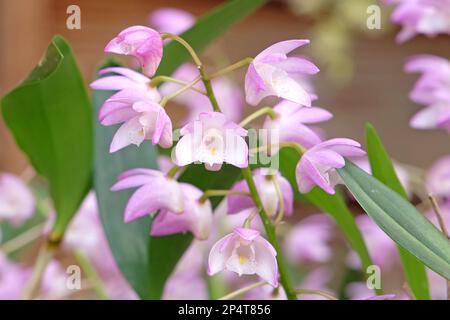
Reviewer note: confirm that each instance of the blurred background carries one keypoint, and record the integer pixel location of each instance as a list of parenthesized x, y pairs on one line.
[(362, 78)]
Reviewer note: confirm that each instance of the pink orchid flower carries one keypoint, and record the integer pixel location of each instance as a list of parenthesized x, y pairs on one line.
[(291, 123), (244, 251), (318, 165), (432, 117), (17, 202), (267, 191), (136, 106), (213, 140), (143, 43), (156, 192), (228, 94), (438, 178), (429, 17), (434, 84), (196, 216), (432, 89), (171, 20), (272, 73)]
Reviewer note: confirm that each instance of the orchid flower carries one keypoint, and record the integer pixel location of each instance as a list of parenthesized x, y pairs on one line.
[(143, 43), (291, 121), (265, 184), (318, 165), (196, 216), (433, 90), (136, 106), (156, 192), (244, 251), (213, 140), (272, 73)]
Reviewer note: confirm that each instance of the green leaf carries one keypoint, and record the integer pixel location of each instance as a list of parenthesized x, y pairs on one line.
[(334, 205), (383, 170), (399, 219), (50, 117), (207, 29)]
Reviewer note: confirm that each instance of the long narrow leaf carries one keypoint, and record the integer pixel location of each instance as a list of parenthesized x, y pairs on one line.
[(383, 170), (399, 219)]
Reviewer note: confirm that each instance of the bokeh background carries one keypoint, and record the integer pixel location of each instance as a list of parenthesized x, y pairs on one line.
[(362, 78)]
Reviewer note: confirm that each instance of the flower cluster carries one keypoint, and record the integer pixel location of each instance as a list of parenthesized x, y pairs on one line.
[(212, 135)]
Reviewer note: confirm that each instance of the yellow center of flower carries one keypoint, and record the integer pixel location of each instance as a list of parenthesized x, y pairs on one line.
[(213, 151), (242, 259)]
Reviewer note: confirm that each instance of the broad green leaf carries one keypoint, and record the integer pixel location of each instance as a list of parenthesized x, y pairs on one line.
[(399, 219), (334, 205), (207, 29), (383, 170), (50, 117)]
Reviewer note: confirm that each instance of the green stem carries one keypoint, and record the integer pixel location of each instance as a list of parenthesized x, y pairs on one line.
[(232, 67), (270, 231), (243, 290), (197, 61), (220, 193), (92, 275), (280, 214), (173, 171), (169, 97), (209, 89), (45, 255), (297, 147), (159, 79), (317, 292), (185, 44), (261, 112), (23, 239)]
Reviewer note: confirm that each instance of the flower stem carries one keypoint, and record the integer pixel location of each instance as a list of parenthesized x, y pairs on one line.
[(23, 239), (219, 193), (297, 147), (243, 290), (159, 79), (185, 44), (173, 171), (206, 80), (232, 67), (261, 112), (92, 275), (316, 292), (270, 231), (45, 255), (209, 90), (280, 214), (169, 97)]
